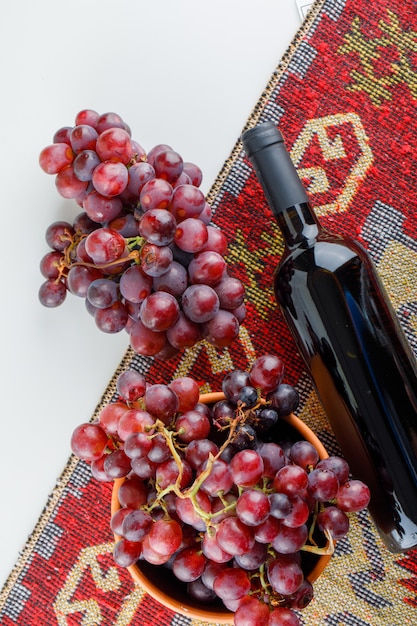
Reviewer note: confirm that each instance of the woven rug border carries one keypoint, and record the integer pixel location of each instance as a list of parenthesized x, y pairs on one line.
[(313, 15)]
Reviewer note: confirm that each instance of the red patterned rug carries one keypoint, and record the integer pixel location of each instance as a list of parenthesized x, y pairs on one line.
[(345, 97)]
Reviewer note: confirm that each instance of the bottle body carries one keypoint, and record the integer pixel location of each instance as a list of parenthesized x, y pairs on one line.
[(363, 371), (351, 342)]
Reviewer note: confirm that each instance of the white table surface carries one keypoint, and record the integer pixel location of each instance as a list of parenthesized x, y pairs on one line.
[(185, 73)]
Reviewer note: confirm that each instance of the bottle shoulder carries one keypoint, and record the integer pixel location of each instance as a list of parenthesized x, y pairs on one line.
[(328, 252)]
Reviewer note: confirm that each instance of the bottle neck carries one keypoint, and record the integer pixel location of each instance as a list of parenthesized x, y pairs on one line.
[(281, 184), (299, 225)]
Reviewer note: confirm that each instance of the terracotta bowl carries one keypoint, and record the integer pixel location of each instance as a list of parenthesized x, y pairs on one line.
[(161, 584)]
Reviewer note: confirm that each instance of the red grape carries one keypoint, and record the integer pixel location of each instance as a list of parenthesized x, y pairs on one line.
[(67, 184), (184, 333), (137, 445), (337, 465), (55, 158), (158, 226), (105, 245), (219, 479), (83, 137), (110, 178), (267, 372), (50, 264), (168, 165), (207, 268), (87, 116), (117, 464), (304, 454), (187, 202), (161, 402), (191, 235), (246, 468), (251, 612), (187, 391), (100, 208), (89, 441), (232, 583), (291, 479), (285, 575), (116, 520), (156, 194), (334, 520), (62, 135), (168, 473), (131, 385), (192, 425), (194, 172), (135, 285), (188, 513), (52, 293), (126, 553), (159, 311), (199, 450), (136, 524), (188, 564), (114, 143), (132, 493), (112, 319), (282, 616), (200, 303), (165, 537), (135, 421), (85, 163), (231, 292), (322, 485), (109, 120), (221, 329), (145, 341), (58, 235), (235, 537), (353, 496), (253, 507), (155, 260)]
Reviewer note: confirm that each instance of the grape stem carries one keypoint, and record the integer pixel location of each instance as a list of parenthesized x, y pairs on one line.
[(193, 490), (169, 436), (134, 245), (265, 586), (313, 525), (328, 549)]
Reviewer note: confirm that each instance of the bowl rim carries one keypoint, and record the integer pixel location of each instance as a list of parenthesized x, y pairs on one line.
[(190, 610)]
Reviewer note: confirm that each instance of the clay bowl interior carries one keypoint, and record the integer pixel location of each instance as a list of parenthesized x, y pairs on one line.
[(161, 584)]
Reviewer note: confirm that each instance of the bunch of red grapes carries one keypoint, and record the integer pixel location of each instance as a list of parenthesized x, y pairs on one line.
[(143, 252), (228, 497)]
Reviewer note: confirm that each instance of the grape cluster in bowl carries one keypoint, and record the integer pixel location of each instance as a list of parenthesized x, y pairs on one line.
[(228, 497), (143, 251)]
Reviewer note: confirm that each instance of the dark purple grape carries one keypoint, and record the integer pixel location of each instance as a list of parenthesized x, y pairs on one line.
[(248, 396), (245, 437), (233, 383), (302, 597), (284, 399), (281, 505), (223, 413), (197, 590), (102, 293), (264, 420)]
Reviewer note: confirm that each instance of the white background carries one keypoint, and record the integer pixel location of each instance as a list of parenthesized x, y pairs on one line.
[(183, 72)]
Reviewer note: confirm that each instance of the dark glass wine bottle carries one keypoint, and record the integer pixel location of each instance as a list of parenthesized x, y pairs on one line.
[(343, 324)]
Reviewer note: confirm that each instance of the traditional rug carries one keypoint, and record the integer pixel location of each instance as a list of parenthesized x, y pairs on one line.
[(345, 97)]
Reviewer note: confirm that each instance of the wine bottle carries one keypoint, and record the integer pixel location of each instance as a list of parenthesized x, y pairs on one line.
[(350, 339)]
